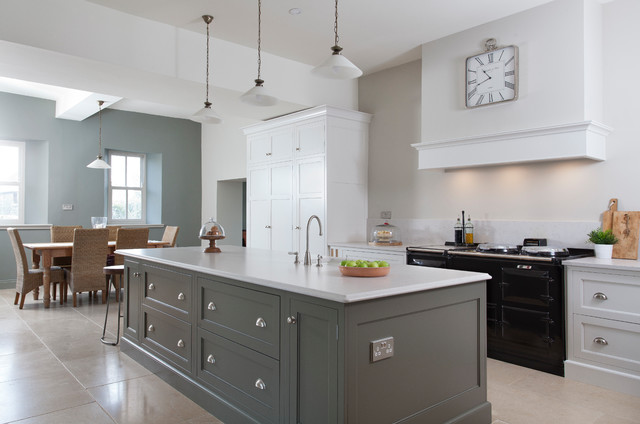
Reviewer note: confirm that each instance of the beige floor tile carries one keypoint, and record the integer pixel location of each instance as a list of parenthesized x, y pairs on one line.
[(28, 364), (13, 341), (145, 399), (99, 370), (40, 394), (89, 413)]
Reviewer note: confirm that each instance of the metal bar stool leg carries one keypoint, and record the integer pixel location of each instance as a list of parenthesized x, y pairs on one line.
[(106, 316)]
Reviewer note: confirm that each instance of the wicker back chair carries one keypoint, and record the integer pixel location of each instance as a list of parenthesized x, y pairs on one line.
[(130, 238), (28, 279), (170, 235), (62, 233), (113, 231), (90, 248)]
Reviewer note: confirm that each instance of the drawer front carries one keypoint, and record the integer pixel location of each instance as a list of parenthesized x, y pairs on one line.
[(167, 336), (245, 316), (612, 296), (239, 374), (370, 255), (606, 341), (168, 291)]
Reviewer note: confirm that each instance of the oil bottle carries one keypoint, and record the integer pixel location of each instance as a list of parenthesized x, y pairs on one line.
[(457, 231), (468, 231)]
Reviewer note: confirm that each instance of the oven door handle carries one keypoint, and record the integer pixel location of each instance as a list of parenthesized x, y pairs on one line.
[(547, 298)]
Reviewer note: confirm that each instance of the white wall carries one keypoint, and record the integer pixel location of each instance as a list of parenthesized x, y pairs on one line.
[(568, 191)]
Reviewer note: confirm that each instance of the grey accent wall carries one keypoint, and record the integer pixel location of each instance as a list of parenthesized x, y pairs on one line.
[(58, 174)]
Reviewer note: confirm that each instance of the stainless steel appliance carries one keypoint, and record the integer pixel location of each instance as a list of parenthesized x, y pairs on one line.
[(525, 296)]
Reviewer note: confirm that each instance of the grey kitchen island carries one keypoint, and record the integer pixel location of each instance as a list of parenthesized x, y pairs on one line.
[(252, 337)]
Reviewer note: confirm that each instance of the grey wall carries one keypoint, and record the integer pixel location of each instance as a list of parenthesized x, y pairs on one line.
[(58, 173)]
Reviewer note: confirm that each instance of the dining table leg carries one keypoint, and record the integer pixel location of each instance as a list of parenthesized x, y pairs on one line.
[(35, 260), (46, 280)]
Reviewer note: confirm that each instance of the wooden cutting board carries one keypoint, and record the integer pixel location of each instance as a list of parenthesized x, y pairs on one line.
[(607, 216), (626, 227)]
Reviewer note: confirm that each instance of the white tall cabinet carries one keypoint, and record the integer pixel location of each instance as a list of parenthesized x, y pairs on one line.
[(312, 162)]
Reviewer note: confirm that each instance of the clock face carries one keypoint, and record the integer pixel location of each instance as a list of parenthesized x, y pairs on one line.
[(492, 77)]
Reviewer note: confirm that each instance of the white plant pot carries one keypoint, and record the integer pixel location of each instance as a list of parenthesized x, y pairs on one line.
[(603, 251)]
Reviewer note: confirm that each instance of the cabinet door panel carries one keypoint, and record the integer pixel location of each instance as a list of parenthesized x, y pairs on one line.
[(259, 183), (310, 177), (282, 144), (259, 146), (281, 228), (259, 217), (281, 180), (314, 363), (311, 138)]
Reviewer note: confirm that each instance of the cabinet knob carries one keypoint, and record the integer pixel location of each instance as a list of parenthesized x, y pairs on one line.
[(181, 296), (601, 341), (297, 227), (260, 384), (151, 328), (268, 154), (267, 226), (600, 296), (297, 149), (180, 343), (211, 359), (261, 323), (137, 274), (211, 306), (152, 286), (291, 320)]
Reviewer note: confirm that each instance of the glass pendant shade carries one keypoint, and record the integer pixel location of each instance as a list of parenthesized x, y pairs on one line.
[(259, 96), (206, 115), (337, 67), (99, 164)]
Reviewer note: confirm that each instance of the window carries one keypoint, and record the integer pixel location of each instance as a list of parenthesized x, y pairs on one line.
[(11, 182), (127, 188)]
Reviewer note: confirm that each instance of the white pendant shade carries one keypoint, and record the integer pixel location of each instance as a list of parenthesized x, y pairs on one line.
[(337, 67), (99, 164), (259, 96), (206, 115)]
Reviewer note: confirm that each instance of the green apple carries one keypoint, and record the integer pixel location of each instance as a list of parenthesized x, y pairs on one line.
[(373, 264), (383, 264), (363, 265), (344, 263), (351, 263)]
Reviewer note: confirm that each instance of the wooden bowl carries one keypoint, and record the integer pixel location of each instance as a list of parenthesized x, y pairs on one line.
[(353, 271)]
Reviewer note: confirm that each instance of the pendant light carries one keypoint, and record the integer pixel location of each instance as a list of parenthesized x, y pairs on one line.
[(337, 66), (259, 95), (99, 163), (206, 115)]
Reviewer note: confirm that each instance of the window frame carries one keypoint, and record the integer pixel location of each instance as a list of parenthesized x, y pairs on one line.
[(21, 145), (142, 189)]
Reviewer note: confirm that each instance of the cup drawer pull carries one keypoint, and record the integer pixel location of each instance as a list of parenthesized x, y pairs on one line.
[(180, 343), (152, 286), (260, 384), (151, 328), (601, 341), (261, 323), (600, 296), (211, 306), (181, 296), (211, 359)]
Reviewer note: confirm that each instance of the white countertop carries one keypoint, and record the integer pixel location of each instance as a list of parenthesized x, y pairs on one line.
[(277, 270), (593, 262), (365, 245)]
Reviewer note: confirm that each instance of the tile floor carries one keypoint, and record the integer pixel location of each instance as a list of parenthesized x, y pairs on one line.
[(53, 369)]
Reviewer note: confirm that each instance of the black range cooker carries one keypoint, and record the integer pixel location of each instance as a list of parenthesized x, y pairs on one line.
[(525, 296)]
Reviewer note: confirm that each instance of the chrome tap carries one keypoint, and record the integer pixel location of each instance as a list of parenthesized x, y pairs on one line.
[(307, 254)]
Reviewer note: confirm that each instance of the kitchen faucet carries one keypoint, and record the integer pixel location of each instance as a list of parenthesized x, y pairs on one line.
[(307, 255)]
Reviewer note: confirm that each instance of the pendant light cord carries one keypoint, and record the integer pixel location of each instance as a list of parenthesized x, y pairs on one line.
[(206, 102), (100, 103), (335, 25), (259, 36)]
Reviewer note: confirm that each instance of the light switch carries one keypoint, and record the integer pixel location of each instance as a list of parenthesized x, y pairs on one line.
[(67, 207), (381, 349)]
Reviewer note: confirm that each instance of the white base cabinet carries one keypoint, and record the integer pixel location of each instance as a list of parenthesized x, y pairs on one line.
[(312, 162), (604, 324)]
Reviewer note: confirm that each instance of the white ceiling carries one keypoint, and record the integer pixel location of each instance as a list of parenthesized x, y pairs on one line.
[(375, 34)]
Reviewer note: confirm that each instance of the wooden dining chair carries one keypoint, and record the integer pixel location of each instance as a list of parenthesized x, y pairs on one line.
[(29, 279), (62, 234), (113, 231), (90, 248), (127, 238), (170, 235)]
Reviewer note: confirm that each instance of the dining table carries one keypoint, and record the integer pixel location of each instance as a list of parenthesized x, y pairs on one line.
[(45, 252)]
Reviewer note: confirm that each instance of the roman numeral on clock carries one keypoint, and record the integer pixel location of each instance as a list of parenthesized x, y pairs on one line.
[(490, 56), (479, 61), (509, 73), (471, 82), (472, 93), (509, 61), (490, 97), (509, 85), (480, 99)]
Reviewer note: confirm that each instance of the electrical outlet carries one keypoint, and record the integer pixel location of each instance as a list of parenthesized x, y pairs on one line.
[(385, 214), (67, 207), (381, 349)]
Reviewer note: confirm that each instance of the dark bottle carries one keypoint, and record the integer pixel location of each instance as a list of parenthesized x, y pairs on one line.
[(457, 230)]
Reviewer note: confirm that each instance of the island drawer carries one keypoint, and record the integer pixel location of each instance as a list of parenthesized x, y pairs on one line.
[(607, 341), (168, 291), (608, 295), (167, 336), (245, 316), (240, 374)]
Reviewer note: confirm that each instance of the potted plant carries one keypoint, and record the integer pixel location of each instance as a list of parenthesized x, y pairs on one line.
[(603, 242)]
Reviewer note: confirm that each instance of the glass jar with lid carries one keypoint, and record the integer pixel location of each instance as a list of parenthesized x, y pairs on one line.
[(212, 231), (385, 235)]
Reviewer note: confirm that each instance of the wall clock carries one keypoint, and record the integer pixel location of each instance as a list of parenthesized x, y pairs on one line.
[(491, 76)]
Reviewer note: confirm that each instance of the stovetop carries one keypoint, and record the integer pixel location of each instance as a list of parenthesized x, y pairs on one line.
[(506, 251)]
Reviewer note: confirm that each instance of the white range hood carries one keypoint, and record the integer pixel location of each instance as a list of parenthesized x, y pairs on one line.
[(582, 140)]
